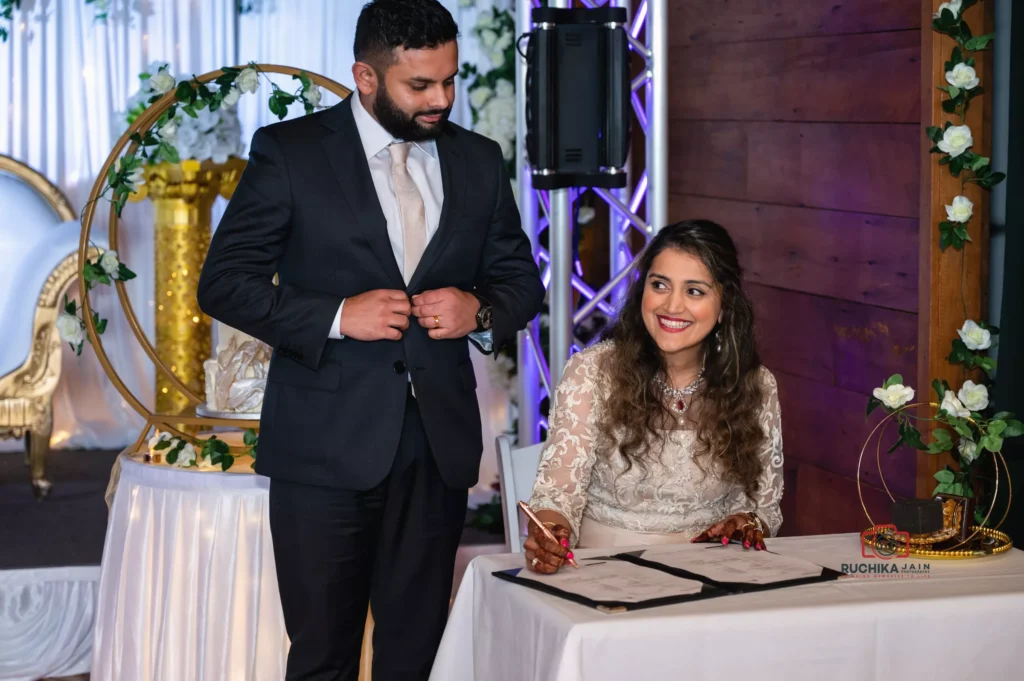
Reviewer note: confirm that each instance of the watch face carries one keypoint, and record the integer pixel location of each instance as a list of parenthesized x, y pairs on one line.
[(483, 317)]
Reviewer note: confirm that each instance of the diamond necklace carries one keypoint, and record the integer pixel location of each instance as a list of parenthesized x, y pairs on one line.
[(678, 396)]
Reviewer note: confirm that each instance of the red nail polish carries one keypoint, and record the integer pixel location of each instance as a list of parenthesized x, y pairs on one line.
[(569, 556), (565, 543), (725, 540), (746, 544)]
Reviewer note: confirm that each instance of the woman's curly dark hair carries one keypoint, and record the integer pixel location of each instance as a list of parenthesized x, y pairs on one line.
[(725, 417)]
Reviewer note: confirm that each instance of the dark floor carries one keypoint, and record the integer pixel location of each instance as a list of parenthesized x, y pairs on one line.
[(68, 527)]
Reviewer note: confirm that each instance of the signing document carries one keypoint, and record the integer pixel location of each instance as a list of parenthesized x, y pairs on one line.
[(732, 564), (604, 579)]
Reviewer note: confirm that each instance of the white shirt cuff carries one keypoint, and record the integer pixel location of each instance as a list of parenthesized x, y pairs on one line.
[(335, 332), (484, 339)]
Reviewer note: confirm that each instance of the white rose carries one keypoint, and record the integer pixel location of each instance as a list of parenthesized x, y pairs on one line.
[(489, 38), (975, 337), (968, 450), (961, 210), (479, 96), (231, 98), (161, 81), (895, 396), (110, 263), (956, 140), (953, 6), (952, 406), (168, 131), (963, 77), (248, 80), (504, 42), (504, 88), (973, 396), (157, 439), (485, 19), (497, 58), (186, 457), (134, 179), (70, 328), (312, 94)]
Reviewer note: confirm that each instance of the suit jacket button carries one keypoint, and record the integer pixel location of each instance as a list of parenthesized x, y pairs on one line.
[(399, 367)]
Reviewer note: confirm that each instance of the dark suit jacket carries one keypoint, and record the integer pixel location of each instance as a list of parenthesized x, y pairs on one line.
[(306, 209)]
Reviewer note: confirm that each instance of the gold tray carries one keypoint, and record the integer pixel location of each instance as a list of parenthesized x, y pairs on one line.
[(984, 542)]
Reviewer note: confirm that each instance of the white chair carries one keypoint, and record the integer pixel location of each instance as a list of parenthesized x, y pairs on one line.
[(39, 257), (517, 470)]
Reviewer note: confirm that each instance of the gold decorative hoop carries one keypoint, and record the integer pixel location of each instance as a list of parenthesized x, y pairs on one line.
[(142, 124), (50, 193), (953, 551)]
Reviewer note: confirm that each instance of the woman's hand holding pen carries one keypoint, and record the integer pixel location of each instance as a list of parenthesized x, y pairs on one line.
[(544, 555)]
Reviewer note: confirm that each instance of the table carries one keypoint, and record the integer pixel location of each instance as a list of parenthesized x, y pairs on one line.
[(188, 587), (963, 621)]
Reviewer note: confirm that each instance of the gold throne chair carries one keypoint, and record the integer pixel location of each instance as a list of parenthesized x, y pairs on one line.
[(39, 250)]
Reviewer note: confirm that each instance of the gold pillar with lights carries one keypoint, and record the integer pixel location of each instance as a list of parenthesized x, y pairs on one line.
[(183, 195)]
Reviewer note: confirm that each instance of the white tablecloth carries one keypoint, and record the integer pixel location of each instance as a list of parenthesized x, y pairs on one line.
[(46, 622), (964, 621), (188, 587)]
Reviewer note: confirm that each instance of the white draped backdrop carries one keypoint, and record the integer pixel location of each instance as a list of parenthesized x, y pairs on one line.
[(64, 81)]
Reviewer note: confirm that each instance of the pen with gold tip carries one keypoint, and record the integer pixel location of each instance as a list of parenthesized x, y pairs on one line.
[(544, 528)]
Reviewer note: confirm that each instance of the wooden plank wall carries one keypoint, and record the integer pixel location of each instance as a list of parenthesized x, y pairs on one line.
[(796, 124)]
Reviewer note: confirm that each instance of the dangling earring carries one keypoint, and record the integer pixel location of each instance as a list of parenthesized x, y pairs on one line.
[(718, 342)]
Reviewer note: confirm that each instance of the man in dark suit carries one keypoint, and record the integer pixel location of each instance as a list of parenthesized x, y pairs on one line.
[(397, 241)]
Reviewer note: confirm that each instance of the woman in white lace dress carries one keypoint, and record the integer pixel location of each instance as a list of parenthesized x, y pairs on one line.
[(668, 430)]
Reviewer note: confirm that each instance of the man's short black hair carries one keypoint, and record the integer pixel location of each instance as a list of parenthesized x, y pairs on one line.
[(385, 25)]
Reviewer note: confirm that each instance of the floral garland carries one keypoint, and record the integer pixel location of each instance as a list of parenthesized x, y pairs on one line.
[(162, 142), (212, 451), (966, 412)]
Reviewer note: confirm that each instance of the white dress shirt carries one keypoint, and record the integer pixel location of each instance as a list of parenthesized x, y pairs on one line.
[(424, 169)]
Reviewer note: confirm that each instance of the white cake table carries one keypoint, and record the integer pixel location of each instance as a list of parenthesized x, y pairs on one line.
[(188, 587)]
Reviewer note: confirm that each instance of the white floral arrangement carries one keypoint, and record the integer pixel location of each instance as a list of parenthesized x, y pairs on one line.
[(492, 93), (200, 132)]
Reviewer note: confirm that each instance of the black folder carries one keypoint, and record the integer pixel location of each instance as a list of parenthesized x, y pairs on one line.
[(707, 591), (711, 588)]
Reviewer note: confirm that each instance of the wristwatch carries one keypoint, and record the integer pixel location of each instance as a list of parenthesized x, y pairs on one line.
[(483, 315)]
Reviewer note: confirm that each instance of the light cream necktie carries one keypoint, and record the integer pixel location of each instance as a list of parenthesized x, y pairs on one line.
[(410, 206)]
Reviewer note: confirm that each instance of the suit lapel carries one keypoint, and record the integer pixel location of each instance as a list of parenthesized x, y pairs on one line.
[(453, 181), (348, 161)]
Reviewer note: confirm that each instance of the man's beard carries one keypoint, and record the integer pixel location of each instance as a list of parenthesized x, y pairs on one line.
[(403, 126)]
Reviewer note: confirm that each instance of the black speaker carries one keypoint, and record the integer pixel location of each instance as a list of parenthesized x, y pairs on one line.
[(578, 98)]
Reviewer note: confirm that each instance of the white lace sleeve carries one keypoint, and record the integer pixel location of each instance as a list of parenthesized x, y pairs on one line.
[(568, 457), (769, 495)]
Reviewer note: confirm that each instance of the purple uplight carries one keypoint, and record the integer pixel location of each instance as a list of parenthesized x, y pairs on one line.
[(638, 194), (638, 20), (641, 115)]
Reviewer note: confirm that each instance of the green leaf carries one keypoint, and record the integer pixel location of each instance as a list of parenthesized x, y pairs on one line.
[(956, 166), (190, 111), (185, 93), (123, 273), (957, 58), (895, 445), (872, 405), (101, 326), (979, 162), (893, 380), (939, 389), (942, 488), (1002, 416), (250, 437), (912, 436), (987, 364), (941, 435), (227, 462), (1014, 428), (172, 456), (961, 231), (949, 106), (945, 476), (996, 427), (992, 443), (960, 426), (954, 91), (169, 152), (934, 133), (957, 488), (163, 444), (944, 160), (979, 42)]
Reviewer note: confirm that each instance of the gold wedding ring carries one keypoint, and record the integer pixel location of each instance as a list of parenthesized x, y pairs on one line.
[(437, 322), (534, 562)]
